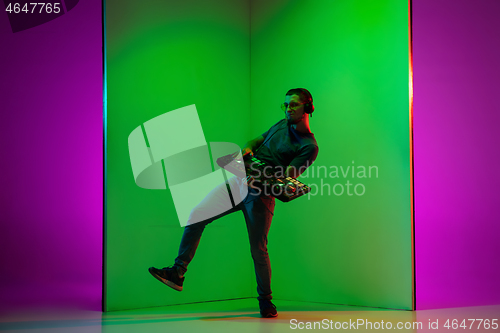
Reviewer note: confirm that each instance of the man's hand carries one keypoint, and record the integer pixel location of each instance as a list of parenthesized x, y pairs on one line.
[(245, 152), (251, 145), (292, 172)]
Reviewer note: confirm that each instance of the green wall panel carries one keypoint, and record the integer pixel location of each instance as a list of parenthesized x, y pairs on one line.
[(353, 57), (163, 55)]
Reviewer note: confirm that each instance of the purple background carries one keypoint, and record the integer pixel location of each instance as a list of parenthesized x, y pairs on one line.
[(51, 145), (51, 161), (456, 49)]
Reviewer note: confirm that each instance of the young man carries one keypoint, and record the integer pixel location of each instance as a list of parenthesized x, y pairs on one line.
[(288, 145)]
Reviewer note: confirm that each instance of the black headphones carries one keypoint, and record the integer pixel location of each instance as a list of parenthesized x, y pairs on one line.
[(308, 106)]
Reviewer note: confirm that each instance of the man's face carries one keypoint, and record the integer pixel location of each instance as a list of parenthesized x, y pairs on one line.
[(294, 113)]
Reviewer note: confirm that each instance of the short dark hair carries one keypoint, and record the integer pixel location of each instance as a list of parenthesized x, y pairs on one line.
[(304, 95)]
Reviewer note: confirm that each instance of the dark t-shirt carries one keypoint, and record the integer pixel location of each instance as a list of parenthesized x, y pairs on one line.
[(284, 146)]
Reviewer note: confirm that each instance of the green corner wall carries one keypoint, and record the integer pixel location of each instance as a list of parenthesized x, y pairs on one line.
[(235, 60)]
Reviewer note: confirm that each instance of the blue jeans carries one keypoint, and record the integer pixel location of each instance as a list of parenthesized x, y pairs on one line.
[(258, 211)]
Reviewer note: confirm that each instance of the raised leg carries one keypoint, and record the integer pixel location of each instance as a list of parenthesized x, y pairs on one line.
[(214, 206)]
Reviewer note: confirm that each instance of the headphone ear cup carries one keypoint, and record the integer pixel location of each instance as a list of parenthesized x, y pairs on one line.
[(308, 108)]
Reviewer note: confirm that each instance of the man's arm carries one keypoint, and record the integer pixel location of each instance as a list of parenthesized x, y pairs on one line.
[(252, 145), (302, 161)]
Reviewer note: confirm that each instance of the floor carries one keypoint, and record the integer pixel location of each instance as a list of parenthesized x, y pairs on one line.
[(241, 316)]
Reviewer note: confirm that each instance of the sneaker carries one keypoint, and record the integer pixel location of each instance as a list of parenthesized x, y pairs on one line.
[(169, 276), (267, 309)]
